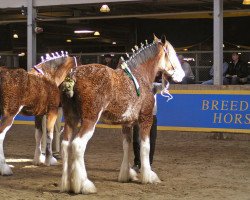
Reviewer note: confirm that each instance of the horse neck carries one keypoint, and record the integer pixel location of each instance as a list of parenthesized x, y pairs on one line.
[(148, 70), (61, 72)]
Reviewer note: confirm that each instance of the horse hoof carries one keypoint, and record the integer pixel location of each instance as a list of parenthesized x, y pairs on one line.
[(124, 177), (150, 177), (84, 187), (39, 160), (6, 170), (51, 161), (133, 175), (88, 187)]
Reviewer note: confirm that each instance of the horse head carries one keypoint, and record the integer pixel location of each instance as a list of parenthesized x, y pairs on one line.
[(151, 58), (55, 66), (170, 63)]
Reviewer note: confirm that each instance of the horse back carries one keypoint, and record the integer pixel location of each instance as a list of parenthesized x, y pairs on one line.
[(12, 88), (99, 88), (18, 88), (43, 95)]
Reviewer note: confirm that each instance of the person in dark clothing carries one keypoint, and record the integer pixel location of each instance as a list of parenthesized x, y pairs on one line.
[(108, 60), (237, 71)]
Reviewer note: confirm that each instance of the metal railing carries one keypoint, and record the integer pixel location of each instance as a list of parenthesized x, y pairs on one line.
[(200, 61)]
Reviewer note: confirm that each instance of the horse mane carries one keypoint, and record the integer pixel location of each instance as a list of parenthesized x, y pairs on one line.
[(53, 61), (141, 55)]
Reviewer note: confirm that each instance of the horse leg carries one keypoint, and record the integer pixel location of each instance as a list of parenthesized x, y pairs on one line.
[(148, 176), (57, 132), (51, 120), (79, 180), (39, 158), (5, 124), (68, 130), (126, 173)]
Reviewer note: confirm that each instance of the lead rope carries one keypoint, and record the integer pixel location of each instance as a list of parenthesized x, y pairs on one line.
[(165, 92)]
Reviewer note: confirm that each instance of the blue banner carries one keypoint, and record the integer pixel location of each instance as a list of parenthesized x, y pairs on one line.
[(198, 110), (203, 110)]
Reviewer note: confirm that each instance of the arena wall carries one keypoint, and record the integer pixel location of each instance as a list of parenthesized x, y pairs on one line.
[(198, 108)]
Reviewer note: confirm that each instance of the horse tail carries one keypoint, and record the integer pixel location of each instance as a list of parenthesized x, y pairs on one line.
[(69, 106), (68, 87)]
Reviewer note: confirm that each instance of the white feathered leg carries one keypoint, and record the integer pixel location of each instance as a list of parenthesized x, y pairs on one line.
[(148, 176), (126, 173), (39, 158), (50, 160), (79, 180), (65, 184), (5, 169)]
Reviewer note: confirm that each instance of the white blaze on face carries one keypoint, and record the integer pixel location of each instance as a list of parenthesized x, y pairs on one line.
[(178, 73)]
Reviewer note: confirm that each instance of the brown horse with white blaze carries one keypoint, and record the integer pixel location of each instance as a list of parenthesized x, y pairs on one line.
[(114, 97), (32, 93)]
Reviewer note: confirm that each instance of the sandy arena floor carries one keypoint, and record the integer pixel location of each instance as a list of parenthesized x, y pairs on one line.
[(191, 166)]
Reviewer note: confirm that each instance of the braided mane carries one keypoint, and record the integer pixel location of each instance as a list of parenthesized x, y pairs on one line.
[(140, 55), (53, 60)]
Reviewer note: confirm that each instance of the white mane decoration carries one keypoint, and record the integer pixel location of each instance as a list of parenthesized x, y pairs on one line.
[(53, 56), (49, 57)]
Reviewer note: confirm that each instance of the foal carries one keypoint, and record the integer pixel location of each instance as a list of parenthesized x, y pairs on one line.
[(114, 97), (32, 93)]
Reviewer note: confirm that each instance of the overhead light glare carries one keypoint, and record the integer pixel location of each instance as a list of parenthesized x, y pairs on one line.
[(96, 33), (246, 2), (68, 40), (24, 11), (189, 59), (15, 36), (238, 46), (105, 8), (114, 43), (185, 49), (21, 54), (83, 31)]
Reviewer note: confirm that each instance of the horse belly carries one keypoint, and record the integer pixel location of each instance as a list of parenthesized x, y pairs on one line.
[(120, 117)]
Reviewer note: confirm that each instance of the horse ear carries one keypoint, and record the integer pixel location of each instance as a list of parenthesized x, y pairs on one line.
[(155, 38), (163, 39)]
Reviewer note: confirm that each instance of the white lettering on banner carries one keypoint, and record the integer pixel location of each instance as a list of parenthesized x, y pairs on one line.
[(236, 116)]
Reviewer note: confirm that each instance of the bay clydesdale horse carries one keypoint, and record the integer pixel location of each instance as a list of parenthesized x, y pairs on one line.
[(32, 93), (114, 97)]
